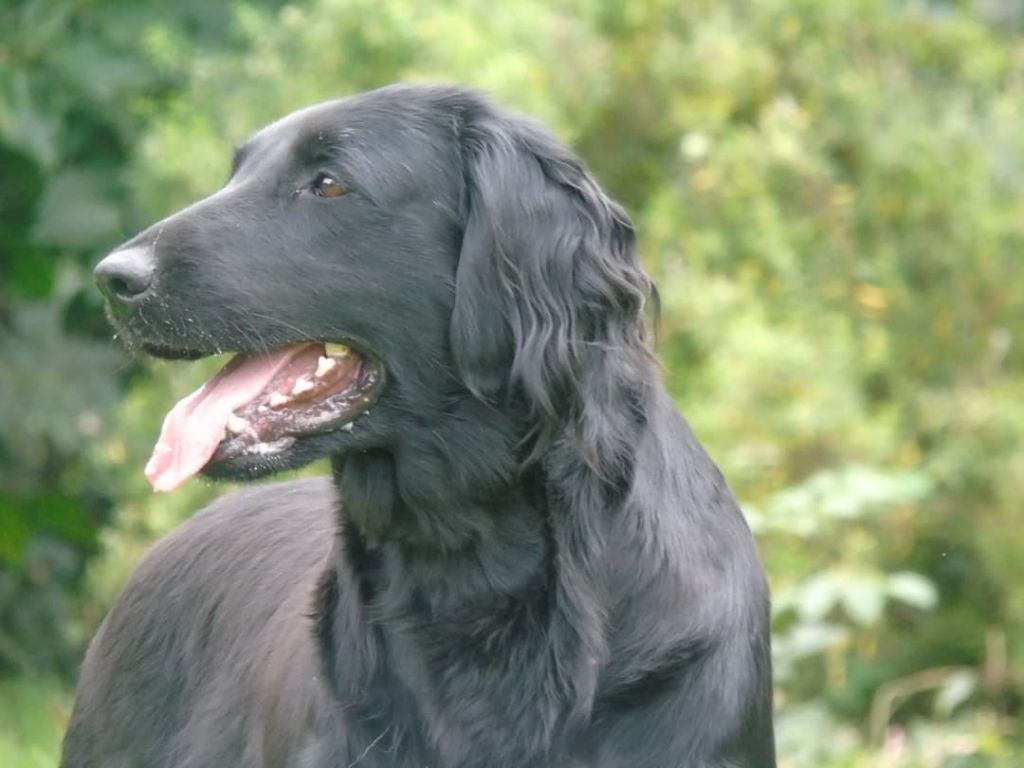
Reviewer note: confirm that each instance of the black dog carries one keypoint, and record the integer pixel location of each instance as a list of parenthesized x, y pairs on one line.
[(524, 558)]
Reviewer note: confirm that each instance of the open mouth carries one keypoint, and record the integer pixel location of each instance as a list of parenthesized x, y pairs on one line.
[(259, 405)]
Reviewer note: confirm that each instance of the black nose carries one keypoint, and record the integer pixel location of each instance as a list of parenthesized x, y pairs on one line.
[(126, 274)]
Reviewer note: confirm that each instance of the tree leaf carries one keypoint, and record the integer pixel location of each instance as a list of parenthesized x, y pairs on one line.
[(956, 690), (913, 589), (864, 600), (75, 212)]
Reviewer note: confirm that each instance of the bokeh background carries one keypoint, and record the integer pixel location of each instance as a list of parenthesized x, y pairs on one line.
[(830, 194)]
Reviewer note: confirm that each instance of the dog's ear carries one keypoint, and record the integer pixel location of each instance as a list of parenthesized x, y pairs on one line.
[(549, 290)]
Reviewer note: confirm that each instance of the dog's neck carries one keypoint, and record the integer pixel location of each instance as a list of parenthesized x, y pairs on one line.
[(451, 516), (439, 483), (422, 563), (421, 518)]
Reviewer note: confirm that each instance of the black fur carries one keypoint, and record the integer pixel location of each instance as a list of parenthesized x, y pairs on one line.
[(525, 558)]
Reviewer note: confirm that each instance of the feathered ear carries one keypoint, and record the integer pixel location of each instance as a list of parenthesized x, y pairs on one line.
[(549, 291)]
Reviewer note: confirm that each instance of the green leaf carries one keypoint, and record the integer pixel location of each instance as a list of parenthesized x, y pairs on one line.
[(25, 125), (913, 589), (75, 212), (864, 600), (954, 692), (14, 531), (817, 597), (809, 639), (36, 401)]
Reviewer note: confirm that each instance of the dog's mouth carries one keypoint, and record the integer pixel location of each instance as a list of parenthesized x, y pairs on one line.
[(259, 405)]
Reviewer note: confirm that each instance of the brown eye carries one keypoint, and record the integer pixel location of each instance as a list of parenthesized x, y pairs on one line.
[(325, 185)]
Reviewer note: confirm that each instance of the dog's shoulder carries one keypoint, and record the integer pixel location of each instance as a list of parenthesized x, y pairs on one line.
[(257, 536), (215, 591)]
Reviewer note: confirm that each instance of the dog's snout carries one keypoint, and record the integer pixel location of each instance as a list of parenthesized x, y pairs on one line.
[(125, 275)]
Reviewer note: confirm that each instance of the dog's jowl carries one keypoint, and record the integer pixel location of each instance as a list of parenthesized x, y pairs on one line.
[(522, 559)]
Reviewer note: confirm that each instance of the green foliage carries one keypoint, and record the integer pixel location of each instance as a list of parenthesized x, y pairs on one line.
[(69, 73), (828, 194), (32, 716)]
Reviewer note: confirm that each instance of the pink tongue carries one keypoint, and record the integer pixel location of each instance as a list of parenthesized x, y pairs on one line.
[(196, 425)]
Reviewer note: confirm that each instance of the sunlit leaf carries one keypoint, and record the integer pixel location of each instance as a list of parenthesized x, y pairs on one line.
[(912, 589), (864, 599), (818, 596), (954, 692)]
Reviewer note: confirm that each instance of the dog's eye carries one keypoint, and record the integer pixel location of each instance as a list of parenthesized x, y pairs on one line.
[(325, 185)]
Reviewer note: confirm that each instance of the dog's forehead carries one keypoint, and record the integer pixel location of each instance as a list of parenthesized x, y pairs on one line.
[(386, 143), (377, 120), (308, 123)]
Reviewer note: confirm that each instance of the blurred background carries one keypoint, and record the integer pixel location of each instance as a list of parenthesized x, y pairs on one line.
[(830, 194)]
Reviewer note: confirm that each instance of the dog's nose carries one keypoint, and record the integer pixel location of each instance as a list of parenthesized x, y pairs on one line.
[(125, 275)]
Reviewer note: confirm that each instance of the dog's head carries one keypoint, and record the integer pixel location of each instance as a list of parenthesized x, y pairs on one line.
[(373, 263)]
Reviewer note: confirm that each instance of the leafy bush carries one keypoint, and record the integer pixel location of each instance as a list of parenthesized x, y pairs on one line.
[(828, 194)]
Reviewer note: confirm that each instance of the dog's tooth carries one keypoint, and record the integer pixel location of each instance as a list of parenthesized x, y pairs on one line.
[(347, 427), (236, 424), (277, 399), (302, 385), (323, 365), (336, 350)]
